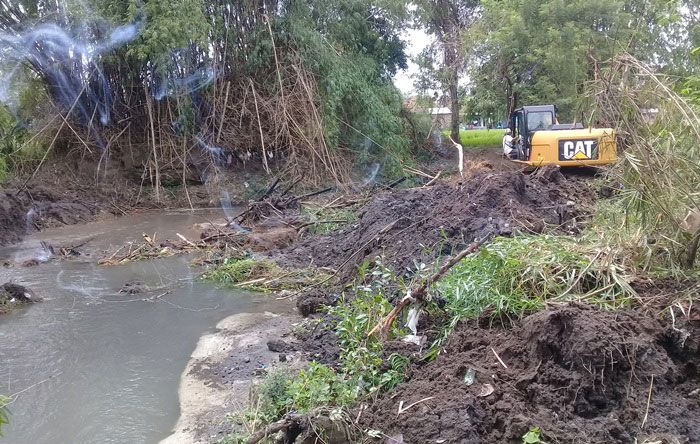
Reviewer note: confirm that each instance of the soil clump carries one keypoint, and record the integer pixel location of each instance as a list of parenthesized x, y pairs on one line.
[(579, 374), (12, 294), (420, 224)]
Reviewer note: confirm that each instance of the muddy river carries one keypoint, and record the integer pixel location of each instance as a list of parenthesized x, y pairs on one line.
[(91, 364)]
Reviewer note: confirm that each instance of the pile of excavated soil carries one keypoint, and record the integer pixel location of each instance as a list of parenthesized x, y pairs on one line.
[(27, 211), (419, 224), (582, 375)]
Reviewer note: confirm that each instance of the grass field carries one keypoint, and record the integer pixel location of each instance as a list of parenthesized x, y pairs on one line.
[(480, 138)]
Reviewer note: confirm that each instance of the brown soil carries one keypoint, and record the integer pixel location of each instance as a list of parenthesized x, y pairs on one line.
[(420, 224), (67, 191), (582, 375), (22, 212)]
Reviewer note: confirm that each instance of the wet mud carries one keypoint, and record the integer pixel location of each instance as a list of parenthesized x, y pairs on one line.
[(27, 211)]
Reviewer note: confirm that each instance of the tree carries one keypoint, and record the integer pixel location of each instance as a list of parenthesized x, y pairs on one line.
[(447, 21), (544, 51)]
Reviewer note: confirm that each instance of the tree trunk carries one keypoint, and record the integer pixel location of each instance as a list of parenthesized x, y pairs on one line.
[(454, 107)]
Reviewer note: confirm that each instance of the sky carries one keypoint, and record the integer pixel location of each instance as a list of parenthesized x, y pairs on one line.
[(416, 40)]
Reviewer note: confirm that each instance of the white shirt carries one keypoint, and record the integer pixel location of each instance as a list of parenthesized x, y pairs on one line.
[(507, 144)]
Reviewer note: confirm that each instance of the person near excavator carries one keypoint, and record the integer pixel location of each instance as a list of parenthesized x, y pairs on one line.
[(507, 144)]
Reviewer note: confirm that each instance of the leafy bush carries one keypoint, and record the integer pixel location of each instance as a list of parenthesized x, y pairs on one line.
[(362, 370)]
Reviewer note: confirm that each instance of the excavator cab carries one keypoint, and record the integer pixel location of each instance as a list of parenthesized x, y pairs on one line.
[(539, 139)]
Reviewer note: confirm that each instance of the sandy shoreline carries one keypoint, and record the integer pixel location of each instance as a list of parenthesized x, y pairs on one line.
[(220, 371)]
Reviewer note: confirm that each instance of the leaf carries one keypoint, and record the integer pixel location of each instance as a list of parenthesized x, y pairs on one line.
[(532, 436)]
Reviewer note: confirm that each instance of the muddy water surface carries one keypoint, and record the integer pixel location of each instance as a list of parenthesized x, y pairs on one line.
[(92, 365)]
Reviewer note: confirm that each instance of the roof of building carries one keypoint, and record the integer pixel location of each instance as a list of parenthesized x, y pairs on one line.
[(438, 111)]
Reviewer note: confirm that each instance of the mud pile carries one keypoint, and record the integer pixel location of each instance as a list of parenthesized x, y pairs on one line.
[(420, 224), (580, 374), (27, 211)]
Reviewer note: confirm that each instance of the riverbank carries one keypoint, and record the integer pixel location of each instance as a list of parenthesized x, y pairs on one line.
[(217, 380), (74, 191), (496, 342)]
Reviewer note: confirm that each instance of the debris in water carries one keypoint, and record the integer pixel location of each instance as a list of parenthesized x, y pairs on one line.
[(11, 293)]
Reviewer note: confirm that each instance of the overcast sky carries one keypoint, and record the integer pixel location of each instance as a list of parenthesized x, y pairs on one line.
[(416, 40)]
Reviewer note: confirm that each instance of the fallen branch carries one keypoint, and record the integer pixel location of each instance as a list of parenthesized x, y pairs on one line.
[(433, 180), (499, 359), (396, 182), (403, 409), (421, 292), (646, 413), (417, 172), (307, 195), (290, 419)]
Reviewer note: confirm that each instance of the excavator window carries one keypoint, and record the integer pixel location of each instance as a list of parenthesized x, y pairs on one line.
[(538, 121)]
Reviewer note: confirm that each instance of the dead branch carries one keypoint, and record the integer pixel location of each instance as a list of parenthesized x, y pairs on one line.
[(302, 421), (419, 294), (433, 180)]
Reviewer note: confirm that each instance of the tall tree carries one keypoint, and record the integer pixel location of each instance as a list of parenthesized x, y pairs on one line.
[(544, 51), (447, 21)]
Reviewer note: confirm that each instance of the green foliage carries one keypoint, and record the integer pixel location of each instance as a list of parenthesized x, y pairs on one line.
[(262, 275), (170, 25), (362, 370), (320, 385), (353, 58), (545, 51), (4, 413), (657, 177), (359, 354), (532, 436), (18, 142), (512, 277)]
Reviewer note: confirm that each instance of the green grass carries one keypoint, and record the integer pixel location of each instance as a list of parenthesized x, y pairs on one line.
[(513, 277), (262, 275), (4, 413), (480, 138)]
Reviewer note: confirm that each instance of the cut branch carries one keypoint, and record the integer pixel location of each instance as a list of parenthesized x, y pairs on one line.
[(421, 292)]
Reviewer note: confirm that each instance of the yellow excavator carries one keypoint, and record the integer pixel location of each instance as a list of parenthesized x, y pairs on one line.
[(539, 139)]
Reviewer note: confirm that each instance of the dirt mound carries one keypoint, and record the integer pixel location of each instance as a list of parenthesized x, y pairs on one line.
[(419, 224), (580, 374), (36, 209)]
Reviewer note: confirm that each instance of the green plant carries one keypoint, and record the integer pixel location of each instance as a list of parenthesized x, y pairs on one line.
[(262, 275), (532, 436), (4, 413), (512, 277), (362, 371)]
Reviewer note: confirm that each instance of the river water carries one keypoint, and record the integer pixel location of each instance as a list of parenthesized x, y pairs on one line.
[(92, 365)]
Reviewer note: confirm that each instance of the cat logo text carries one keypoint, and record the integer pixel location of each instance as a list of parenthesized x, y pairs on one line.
[(578, 149)]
